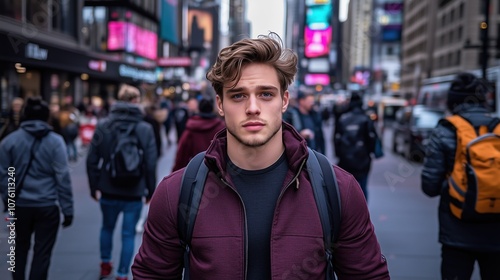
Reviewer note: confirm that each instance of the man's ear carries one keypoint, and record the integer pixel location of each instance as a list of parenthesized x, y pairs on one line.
[(286, 98), (219, 106)]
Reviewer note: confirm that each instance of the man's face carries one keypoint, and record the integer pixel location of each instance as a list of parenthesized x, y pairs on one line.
[(307, 103), (253, 108)]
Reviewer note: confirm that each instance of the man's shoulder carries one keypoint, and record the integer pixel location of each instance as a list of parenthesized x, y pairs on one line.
[(170, 185), (343, 177)]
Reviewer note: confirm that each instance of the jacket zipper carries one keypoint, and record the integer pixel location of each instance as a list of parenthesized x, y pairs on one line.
[(245, 211), (283, 192), (246, 226)]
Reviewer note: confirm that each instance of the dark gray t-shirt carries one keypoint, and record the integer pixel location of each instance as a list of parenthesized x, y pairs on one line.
[(259, 190)]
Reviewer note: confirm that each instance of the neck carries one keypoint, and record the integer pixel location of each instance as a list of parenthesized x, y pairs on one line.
[(255, 158)]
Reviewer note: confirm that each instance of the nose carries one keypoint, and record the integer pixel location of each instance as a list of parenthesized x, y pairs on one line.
[(253, 107)]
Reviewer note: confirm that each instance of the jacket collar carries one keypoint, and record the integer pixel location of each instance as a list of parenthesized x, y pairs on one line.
[(469, 108), (124, 111), (295, 150)]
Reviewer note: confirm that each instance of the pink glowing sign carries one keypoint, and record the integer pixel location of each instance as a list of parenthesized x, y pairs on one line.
[(317, 42), (317, 79), (116, 35), (132, 38)]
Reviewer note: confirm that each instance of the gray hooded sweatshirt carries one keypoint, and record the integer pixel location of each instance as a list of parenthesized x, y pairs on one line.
[(48, 181)]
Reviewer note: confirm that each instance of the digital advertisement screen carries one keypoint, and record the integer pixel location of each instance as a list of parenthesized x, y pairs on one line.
[(391, 33), (116, 35), (317, 42), (169, 21), (317, 79), (361, 77), (124, 36), (200, 27), (318, 16), (318, 2)]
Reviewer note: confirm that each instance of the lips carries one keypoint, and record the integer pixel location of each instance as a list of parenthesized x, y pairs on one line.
[(253, 126)]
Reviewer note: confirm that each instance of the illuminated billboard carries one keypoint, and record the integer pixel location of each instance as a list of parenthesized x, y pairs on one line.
[(317, 79), (116, 35), (318, 17), (200, 28), (318, 2), (317, 42), (361, 77), (125, 36), (169, 21)]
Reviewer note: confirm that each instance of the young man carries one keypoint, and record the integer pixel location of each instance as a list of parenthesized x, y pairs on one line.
[(259, 218), (126, 197), (36, 183), (463, 243)]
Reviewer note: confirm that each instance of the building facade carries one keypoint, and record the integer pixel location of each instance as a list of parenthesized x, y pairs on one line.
[(443, 38)]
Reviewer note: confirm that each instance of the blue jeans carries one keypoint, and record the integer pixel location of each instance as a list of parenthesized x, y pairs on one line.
[(363, 182), (110, 209)]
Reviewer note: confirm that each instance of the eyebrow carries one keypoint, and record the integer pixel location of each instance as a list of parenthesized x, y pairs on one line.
[(240, 89)]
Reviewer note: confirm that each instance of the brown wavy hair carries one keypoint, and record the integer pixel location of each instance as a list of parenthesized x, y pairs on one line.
[(266, 49)]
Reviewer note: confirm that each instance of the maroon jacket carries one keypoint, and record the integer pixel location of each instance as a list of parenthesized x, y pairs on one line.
[(218, 244), (196, 138)]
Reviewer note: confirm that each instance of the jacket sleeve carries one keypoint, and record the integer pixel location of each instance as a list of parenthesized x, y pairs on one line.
[(161, 255), (63, 179), (151, 159), (184, 151), (372, 135), (436, 162), (94, 155), (357, 254), (337, 133), (5, 163)]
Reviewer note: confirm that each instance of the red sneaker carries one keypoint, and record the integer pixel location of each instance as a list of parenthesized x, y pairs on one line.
[(106, 269)]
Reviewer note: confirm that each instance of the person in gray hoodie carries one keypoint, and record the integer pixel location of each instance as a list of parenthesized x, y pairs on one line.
[(36, 187)]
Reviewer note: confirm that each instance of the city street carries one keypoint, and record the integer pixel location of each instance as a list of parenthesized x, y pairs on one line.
[(405, 221)]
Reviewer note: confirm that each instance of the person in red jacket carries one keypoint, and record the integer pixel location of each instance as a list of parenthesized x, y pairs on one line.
[(258, 218), (200, 130)]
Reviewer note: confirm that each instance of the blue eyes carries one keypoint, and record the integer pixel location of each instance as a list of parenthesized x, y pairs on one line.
[(263, 95)]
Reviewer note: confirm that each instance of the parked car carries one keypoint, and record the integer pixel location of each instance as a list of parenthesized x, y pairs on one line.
[(412, 129)]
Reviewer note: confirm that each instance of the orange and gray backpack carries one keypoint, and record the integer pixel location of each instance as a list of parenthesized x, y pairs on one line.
[(474, 184)]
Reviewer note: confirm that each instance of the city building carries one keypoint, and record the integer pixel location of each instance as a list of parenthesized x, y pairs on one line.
[(58, 49), (442, 38), (356, 44), (313, 31)]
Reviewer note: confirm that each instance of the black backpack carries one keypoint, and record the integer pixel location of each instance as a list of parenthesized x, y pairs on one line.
[(125, 166), (325, 189), (354, 144)]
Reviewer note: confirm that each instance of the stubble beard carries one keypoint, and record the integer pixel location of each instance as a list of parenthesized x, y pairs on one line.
[(254, 143)]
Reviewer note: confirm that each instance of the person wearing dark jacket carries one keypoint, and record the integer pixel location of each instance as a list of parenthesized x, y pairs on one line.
[(114, 198), (462, 243), (199, 132), (259, 218), (354, 140), (149, 117), (307, 121), (13, 120), (36, 183)]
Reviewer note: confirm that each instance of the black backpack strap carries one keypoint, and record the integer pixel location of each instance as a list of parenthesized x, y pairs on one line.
[(493, 124), (34, 147), (326, 194), (193, 182)]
